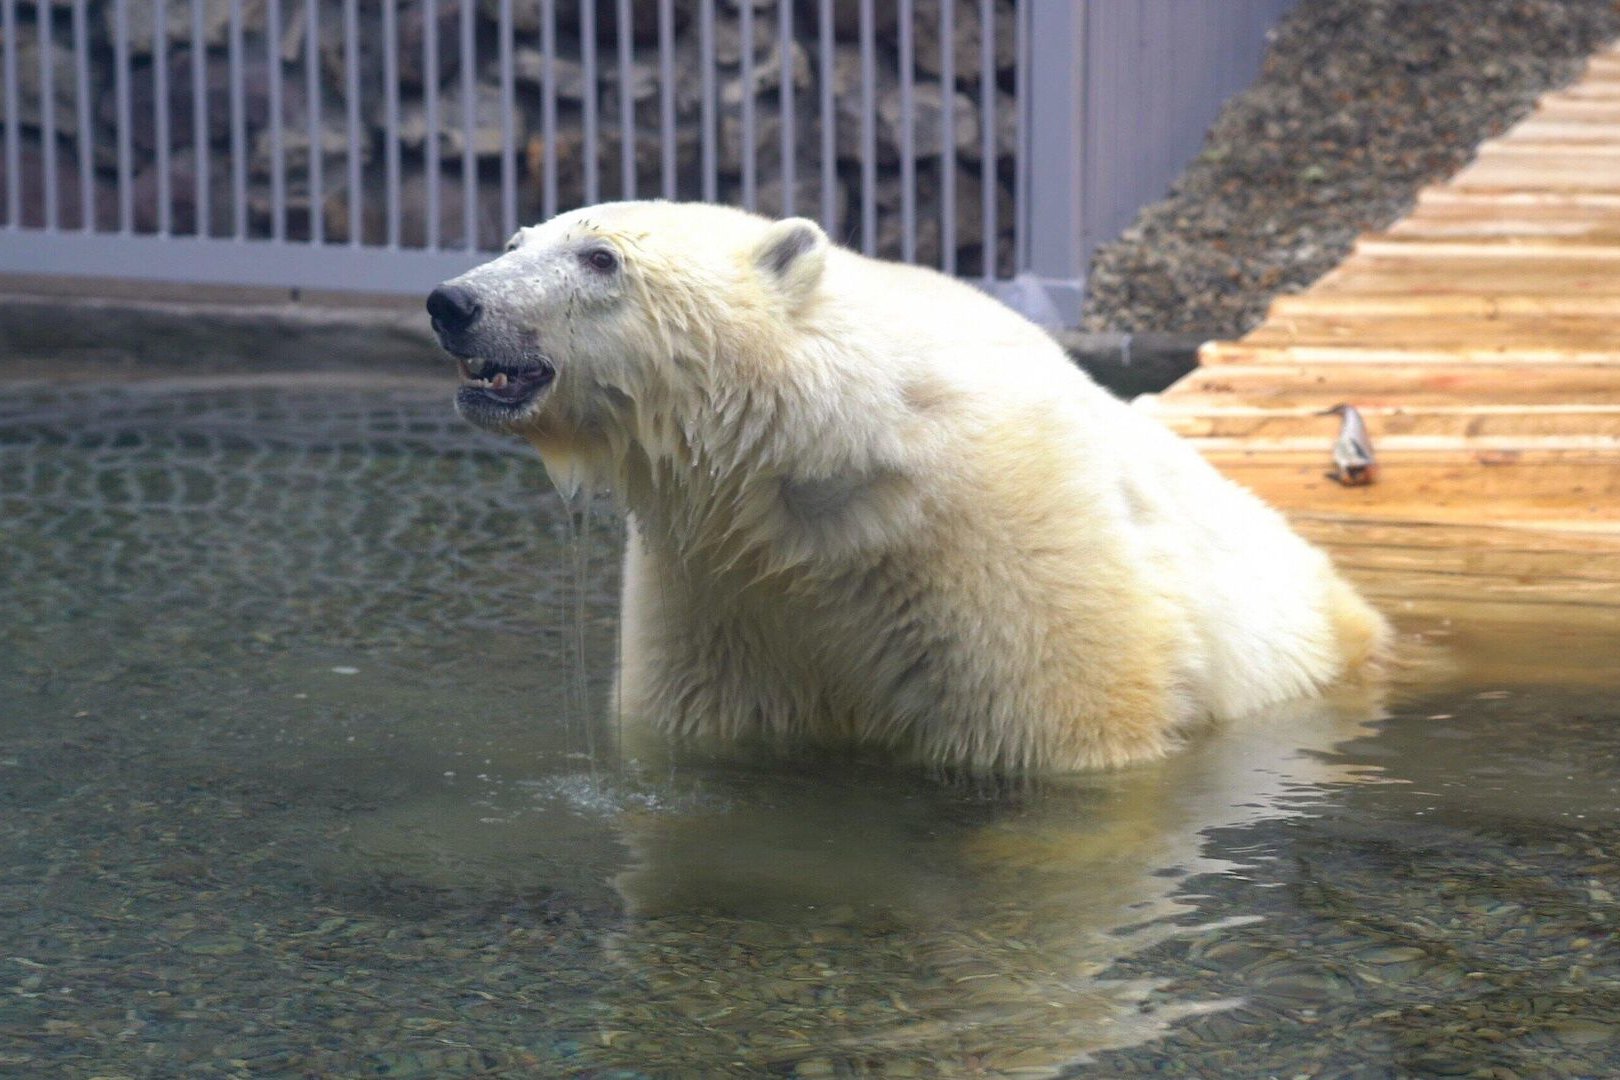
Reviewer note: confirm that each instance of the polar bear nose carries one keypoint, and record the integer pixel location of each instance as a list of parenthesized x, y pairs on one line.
[(453, 307)]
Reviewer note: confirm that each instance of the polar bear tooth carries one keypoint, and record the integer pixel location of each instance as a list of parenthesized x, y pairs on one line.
[(499, 381)]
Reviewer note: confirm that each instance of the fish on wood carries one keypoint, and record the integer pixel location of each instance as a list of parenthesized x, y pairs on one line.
[(1353, 462)]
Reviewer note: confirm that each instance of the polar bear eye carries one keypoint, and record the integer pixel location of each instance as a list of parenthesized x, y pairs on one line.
[(601, 260)]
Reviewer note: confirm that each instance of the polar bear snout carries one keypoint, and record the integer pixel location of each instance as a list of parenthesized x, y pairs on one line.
[(504, 375), (453, 308)]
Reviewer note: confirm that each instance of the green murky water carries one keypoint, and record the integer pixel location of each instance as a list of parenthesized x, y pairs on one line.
[(293, 782)]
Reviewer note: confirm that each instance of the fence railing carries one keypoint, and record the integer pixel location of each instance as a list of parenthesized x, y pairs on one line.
[(381, 145)]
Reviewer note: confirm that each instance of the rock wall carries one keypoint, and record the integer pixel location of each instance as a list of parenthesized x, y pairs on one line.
[(272, 53)]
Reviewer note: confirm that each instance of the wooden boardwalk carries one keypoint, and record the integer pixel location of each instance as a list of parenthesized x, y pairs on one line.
[(1480, 339)]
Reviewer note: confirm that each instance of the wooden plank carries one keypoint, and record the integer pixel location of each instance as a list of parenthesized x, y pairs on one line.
[(1447, 253), (1605, 64), (1497, 306), (1503, 332), (1563, 448), (1580, 119), (1544, 489), (1469, 573), (1554, 620), (1577, 202), (1506, 225), (1594, 128), (1243, 352), (1424, 494), (1523, 144), (1555, 107), (1477, 639), (1198, 418), (1480, 338), (1487, 273), (1552, 573), (1409, 582), (1286, 385), (1594, 90), (1588, 171), (1452, 213), (1427, 541)]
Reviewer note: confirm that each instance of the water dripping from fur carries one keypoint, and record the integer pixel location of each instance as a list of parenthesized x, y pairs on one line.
[(577, 500)]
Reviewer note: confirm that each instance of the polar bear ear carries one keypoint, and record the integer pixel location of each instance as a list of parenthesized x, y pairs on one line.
[(792, 255)]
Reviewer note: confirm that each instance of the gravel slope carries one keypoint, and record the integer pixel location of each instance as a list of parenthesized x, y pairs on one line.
[(1360, 103)]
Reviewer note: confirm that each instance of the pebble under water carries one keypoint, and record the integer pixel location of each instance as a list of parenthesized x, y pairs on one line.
[(293, 783)]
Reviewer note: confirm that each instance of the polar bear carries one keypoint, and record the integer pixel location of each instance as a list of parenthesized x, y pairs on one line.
[(871, 506)]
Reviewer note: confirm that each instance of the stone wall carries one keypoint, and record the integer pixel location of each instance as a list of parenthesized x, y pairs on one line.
[(271, 43)]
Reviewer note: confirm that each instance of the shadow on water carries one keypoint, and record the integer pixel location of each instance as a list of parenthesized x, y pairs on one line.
[(293, 782)]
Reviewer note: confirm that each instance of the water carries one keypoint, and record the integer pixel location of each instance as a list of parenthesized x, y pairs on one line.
[(293, 782)]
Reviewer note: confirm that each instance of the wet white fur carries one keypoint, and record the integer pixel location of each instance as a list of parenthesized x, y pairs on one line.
[(869, 504)]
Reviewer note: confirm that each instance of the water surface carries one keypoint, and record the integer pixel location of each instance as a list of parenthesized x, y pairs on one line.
[(294, 781)]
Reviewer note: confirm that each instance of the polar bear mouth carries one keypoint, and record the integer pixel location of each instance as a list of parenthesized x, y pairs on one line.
[(498, 391)]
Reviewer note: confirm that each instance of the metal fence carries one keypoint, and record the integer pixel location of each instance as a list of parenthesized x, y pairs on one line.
[(382, 145)]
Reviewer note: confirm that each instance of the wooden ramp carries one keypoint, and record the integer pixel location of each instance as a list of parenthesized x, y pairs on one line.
[(1480, 339)]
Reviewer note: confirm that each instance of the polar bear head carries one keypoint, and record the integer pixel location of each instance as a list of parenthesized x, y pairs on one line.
[(607, 324)]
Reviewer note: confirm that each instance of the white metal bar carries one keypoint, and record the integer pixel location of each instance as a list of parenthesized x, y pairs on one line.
[(508, 120), (13, 149), (627, 104), (908, 147), (868, 48), (947, 138), (990, 245), (201, 148), (1167, 79), (351, 94), (81, 66), (1022, 128), (829, 122), (469, 128), (121, 99), (666, 95), (1103, 108), (238, 123), (548, 106), (47, 110), (315, 174), (278, 154), (588, 104), (790, 123), (430, 109), (709, 136), (391, 150), (8, 28), (1050, 220), (750, 164)]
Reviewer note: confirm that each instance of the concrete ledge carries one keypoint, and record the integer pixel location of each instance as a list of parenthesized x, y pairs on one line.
[(88, 329), (74, 332), (1131, 364)]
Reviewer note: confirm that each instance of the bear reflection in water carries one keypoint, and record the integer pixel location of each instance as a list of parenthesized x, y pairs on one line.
[(781, 910), (871, 506)]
